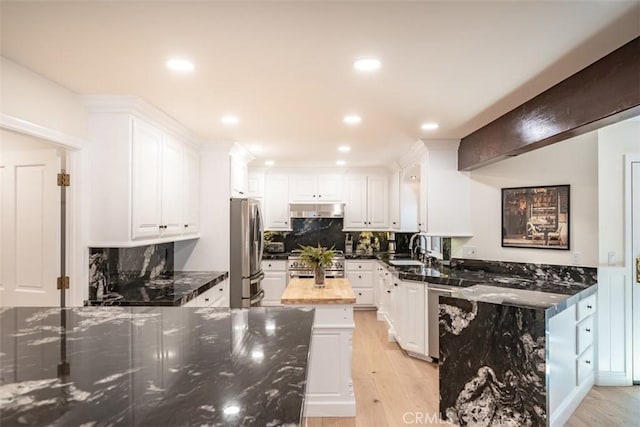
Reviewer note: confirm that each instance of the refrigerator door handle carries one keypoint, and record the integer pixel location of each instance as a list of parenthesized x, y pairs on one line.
[(247, 282), (257, 297)]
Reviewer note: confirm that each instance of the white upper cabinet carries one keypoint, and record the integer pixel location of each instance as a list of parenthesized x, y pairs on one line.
[(255, 185), (147, 179), (394, 201), (238, 177), (146, 201), (445, 193), (191, 205), (315, 188), (276, 202), (366, 202)]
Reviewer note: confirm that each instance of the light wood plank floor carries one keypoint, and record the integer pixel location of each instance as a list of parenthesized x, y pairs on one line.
[(389, 384)]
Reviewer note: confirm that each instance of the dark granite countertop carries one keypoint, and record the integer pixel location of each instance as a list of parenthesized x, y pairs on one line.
[(172, 289), (153, 366), (546, 287)]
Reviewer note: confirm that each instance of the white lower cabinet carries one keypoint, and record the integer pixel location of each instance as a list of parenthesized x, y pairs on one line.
[(329, 389), (218, 296), (361, 278), (570, 359), (413, 317), (274, 282)]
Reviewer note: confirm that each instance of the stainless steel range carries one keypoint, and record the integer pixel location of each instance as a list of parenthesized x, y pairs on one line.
[(297, 268)]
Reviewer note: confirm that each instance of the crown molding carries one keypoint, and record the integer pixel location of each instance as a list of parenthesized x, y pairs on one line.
[(33, 129), (238, 152), (412, 155), (129, 104), (441, 144)]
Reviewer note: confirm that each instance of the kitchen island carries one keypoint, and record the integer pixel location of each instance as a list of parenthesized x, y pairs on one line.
[(156, 366), (330, 385)]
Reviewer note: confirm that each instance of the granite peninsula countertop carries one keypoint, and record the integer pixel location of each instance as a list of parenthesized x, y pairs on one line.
[(160, 366), (550, 288), (303, 291), (172, 289)]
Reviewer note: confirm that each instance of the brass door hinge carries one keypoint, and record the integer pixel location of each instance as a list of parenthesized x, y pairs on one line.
[(64, 180), (63, 282)]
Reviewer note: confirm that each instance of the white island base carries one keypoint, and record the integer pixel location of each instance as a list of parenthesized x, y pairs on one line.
[(329, 381)]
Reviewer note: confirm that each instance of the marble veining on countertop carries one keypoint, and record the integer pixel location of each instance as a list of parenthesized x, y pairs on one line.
[(171, 289), (509, 296), (153, 366)]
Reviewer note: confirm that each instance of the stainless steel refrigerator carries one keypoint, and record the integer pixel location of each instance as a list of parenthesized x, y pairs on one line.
[(247, 242)]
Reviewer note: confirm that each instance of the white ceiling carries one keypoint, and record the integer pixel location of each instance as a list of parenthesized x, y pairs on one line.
[(285, 68)]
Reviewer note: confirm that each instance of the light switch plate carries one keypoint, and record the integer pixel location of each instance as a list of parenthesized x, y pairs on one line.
[(576, 258), (611, 256), (469, 252)]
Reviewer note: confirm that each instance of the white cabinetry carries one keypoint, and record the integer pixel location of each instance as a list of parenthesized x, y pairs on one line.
[(255, 185), (329, 390), (217, 296), (366, 202), (445, 193), (238, 174), (394, 201), (360, 275), (315, 188), (277, 202), (412, 323), (570, 359), (147, 189), (274, 282)]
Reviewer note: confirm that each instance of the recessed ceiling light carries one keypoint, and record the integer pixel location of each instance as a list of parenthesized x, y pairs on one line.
[(367, 64), (230, 119), (344, 148), (429, 126), (340, 162), (180, 65), (269, 163), (352, 120)]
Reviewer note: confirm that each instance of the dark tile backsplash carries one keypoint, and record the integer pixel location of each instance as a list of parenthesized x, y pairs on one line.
[(111, 266), (328, 232)]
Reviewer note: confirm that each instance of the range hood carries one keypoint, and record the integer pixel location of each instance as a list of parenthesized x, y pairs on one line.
[(316, 210)]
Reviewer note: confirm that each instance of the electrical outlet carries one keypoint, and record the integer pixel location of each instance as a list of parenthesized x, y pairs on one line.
[(469, 252), (576, 258), (612, 258)]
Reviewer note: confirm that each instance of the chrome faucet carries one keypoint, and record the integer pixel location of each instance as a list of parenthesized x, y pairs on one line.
[(423, 249)]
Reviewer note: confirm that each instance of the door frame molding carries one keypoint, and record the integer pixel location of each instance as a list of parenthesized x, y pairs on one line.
[(633, 347), (77, 259)]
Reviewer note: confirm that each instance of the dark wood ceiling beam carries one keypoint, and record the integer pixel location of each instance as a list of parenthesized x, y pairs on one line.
[(603, 93)]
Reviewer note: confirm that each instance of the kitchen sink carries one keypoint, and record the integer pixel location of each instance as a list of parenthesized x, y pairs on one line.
[(406, 262)]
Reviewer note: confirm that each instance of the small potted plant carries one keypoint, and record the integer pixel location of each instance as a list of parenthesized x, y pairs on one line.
[(317, 258)]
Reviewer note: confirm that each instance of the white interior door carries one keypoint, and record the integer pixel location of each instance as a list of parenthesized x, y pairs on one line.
[(635, 256), (29, 227)]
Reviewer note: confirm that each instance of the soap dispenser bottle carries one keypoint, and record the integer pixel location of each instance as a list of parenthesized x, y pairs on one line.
[(348, 244)]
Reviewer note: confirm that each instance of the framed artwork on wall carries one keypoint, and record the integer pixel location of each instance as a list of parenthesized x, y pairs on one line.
[(536, 217)]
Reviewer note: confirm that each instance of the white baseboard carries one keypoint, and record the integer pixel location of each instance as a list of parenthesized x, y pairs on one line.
[(612, 379), (329, 409), (571, 403), (380, 316)]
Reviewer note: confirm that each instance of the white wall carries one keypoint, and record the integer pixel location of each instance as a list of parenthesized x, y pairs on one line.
[(613, 143), (211, 251), (31, 98), (572, 162)]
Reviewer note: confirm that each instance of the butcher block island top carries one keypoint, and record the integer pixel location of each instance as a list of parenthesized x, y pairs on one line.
[(303, 291)]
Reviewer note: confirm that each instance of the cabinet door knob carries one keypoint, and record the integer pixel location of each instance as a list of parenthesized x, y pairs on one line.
[(319, 195), (285, 222), (588, 362), (314, 196), (269, 265), (359, 266), (388, 292), (359, 277), (360, 293), (588, 330), (395, 284), (206, 300), (588, 306), (186, 225)]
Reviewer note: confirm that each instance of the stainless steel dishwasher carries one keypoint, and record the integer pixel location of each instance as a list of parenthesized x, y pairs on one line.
[(433, 313)]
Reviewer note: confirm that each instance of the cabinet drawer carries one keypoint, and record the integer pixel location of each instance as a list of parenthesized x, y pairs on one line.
[(362, 279), (271, 265), (359, 266), (584, 334), (364, 296), (584, 366), (586, 307)]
